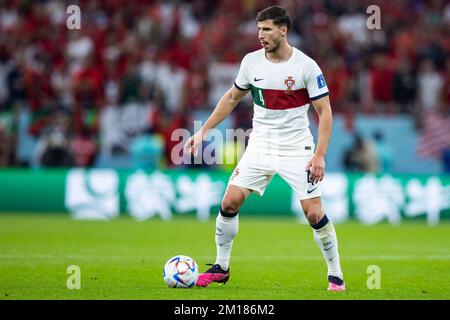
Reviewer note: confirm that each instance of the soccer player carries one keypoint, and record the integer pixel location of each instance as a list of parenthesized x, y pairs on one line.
[(283, 81)]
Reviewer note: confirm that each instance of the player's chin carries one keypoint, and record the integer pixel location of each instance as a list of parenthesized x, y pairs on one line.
[(267, 47)]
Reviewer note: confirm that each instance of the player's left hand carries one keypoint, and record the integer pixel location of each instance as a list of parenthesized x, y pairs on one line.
[(316, 167)]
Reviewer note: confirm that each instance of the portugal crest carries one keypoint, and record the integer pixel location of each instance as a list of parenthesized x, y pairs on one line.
[(289, 82)]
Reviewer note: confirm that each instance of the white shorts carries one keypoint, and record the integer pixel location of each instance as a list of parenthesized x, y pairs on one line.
[(255, 170)]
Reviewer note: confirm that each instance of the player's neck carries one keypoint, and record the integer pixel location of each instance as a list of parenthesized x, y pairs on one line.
[(283, 53)]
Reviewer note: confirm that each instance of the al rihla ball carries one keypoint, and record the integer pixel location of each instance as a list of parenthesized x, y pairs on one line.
[(180, 271)]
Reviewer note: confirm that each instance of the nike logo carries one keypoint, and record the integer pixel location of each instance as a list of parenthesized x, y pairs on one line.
[(309, 191), (219, 234), (254, 79), (328, 248)]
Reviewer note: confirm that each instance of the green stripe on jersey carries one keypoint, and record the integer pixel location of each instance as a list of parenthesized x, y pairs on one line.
[(258, 96)]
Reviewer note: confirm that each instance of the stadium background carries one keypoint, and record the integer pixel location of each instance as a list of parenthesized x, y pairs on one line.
[(110, 95), (86, 116)]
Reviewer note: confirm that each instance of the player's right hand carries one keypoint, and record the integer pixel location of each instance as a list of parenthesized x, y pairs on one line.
[(316, 166), (191, 146)]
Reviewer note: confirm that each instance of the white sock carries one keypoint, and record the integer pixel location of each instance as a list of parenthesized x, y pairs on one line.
[(326, 239), (226, 230)]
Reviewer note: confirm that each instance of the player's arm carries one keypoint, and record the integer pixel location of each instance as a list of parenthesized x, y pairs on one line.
[(317, 163), (223, 108)]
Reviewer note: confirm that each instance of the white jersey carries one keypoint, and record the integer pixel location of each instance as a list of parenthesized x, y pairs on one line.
[(281, 96)]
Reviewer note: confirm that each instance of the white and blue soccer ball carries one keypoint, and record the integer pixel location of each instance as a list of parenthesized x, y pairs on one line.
[(180, 272)]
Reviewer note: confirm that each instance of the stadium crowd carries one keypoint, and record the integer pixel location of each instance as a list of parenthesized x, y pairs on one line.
[(145, 68)]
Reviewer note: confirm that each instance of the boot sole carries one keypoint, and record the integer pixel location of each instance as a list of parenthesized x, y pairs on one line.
[(224, 280)]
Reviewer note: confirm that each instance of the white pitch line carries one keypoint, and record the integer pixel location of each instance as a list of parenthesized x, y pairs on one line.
[(242, 258)]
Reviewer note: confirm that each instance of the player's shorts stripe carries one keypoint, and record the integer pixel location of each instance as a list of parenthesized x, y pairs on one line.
[(320, 96), (279, 99)]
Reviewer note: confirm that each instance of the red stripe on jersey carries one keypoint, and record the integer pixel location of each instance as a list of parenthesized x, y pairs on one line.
[(283, 99)]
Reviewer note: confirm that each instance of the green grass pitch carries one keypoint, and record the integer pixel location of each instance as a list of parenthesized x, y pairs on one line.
[(271, 259)]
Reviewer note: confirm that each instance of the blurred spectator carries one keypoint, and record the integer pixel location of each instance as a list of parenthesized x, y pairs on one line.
[(110, 133), (446, 91), (4, 71), (148, 69), (338, 80), (79, 48), (83, 148), (381, 79), (53, 147), (220, 76), (131, 84), (147, 151), (62, 84), (53, 150), (360, 157), (197, 86), (353, 24), (119, 124), (5, 147), (405, 86), (171, 80), (383, 152), (166, 125), (430, 86)]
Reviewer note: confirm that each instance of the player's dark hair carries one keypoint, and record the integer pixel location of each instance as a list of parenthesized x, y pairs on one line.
[(277, 14)]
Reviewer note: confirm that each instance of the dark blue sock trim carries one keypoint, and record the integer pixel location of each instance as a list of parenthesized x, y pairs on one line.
[(321, 223), (228, 214)]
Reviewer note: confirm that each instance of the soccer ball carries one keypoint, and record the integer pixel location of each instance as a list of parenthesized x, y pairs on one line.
[(180, 272)]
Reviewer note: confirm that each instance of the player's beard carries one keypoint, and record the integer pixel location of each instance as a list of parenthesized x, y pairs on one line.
[(276, 46)]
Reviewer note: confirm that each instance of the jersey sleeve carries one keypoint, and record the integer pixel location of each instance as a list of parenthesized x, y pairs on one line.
[(242, 81), (315, 82)]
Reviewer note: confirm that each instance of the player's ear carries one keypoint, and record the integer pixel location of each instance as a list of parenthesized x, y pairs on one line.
[(284, 30)]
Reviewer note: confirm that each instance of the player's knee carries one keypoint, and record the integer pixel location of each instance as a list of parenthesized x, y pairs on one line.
[(230, 205), (314, 215)]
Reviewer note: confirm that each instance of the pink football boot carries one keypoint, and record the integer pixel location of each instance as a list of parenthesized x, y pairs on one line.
[(335, 284), (213, 274)]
